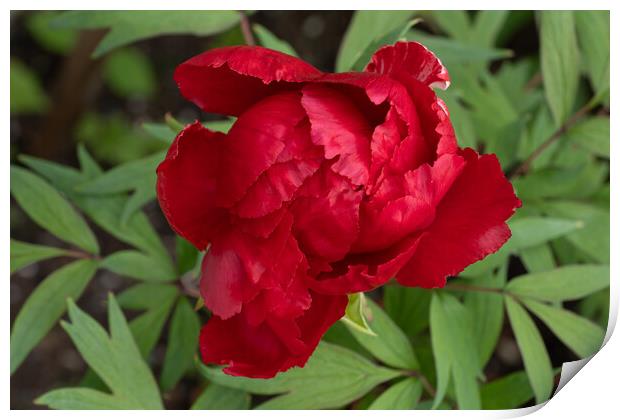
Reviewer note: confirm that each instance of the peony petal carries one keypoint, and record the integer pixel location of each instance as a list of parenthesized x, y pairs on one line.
[(470, 224), (255, 141), (187, 187), (233, 271), (261, 351), (364, 272), (299, 159), (326, 214), (413, 59), (338, 126), (229, 80)]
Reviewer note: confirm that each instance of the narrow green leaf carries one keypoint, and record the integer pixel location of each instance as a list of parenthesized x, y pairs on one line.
[(90, 168), (408, 307), (24, 254), (538, 258), (115, 358), (217, 397), (453, 22), (182, 344), (269, 40), (592, 134), (137, 265), (535, 356), (510, 391), (125, 177), (146, 328), (53, 40), (389, 344), (50, 210), (457, 52), (144, 296), (593, 239), (127, 26), (565, 283), (559, 57), (487, 26), (81, 399), (579, 334), (46, 305), (160, 131), (454, 350), (366, 26), (403, 395), (593, 31), (333, 377), (487, 310)]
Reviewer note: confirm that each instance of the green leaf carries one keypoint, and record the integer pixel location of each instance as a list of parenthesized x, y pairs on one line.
[(217, 397), (160, 131), (510, 391), (46, 305), (579, 181), (487, 26), (23, 254), (105, 211), (27, 94), (408, 307), (538, 258), (365, 27), (50, 210), (569, 282), (559, 57), (593, 239), (146, 328), (356, 312), (456, 52), (333, 377), (144, 296), (52, 39), (182, 344), (526, 232), (533, 351), (186, 255), (487, 311), (80, 399), (579, 334), (269, 40), (453, 22), (389, 344), (140, 266), (219, 125), (127, 26), (124, 177), (592, 134), (90, 168), (115, 358), (593, 31), (455, 351), (129, 73), (403, 395)]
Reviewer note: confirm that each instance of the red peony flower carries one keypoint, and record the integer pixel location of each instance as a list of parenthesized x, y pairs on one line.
[(326, 184)]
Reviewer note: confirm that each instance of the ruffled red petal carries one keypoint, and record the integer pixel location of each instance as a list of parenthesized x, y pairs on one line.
[(187, 184), (326, 215), (338, 126), (276, 345), (231, 79), (413, 59), (470, 224), (255, 142)]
